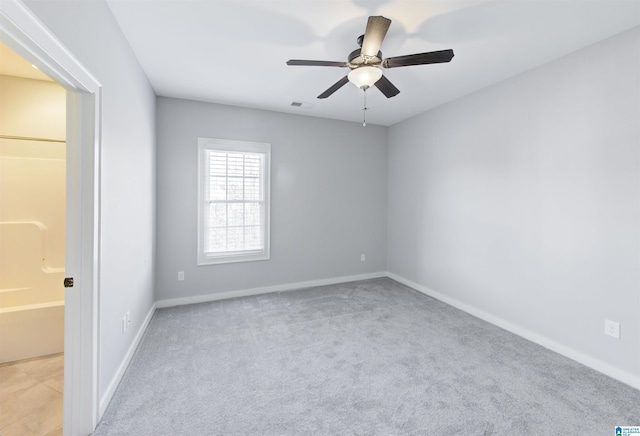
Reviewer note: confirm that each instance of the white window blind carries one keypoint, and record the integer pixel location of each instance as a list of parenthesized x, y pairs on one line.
[(234, 213)]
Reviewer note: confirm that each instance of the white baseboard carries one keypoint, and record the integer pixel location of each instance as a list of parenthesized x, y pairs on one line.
[(115, 381), (593, 363), (265, 290)]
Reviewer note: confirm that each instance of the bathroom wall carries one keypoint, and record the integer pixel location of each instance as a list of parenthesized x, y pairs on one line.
[(32, 191), (32, 108)]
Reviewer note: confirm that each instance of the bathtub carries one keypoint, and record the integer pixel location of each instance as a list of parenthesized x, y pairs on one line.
[(31, 293), (32, 330)]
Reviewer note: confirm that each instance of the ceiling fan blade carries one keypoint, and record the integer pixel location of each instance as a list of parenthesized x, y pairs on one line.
[(333, 88), (374, 34), (386, 87), (432, 57), (316, 63)]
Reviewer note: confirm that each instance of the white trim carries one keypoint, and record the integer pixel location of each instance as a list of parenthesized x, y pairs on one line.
[(600, 366), (265, 290), (122, 368), (23, 32)]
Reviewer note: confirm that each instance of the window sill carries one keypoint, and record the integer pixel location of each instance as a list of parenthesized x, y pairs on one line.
[(232, 258)]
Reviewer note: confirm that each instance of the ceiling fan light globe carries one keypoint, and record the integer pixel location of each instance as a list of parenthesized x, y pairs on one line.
[(365, 76)]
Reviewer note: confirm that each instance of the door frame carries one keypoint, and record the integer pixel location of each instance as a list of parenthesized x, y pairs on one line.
[(24, 33)]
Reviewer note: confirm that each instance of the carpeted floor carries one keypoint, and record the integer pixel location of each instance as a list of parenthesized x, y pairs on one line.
[(365, 358)]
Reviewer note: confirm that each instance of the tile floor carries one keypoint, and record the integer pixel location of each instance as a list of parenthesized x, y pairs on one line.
[(31, 396)]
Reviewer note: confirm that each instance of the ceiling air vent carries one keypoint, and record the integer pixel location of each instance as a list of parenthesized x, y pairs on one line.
[(301, 104)]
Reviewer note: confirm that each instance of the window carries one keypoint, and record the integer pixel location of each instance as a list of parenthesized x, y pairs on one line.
[(233, 220)]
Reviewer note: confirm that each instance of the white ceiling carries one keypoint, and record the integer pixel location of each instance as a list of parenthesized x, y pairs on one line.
[(234, 51)]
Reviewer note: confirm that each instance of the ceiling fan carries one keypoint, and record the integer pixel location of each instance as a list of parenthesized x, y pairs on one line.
[(366, 61)]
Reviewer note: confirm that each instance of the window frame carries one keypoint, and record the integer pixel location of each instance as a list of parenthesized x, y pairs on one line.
[(231, 146)]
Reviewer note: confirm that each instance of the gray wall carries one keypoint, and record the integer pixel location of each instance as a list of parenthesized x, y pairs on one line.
[(522, 200), (328, 197), (90, 32)]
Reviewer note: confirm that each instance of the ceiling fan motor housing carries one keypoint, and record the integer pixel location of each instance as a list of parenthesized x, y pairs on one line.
[(356, 59)]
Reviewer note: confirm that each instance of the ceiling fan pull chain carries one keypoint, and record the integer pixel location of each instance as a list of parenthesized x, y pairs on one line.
[(364, 110)]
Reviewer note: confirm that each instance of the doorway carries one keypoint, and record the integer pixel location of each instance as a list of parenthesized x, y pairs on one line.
[(32, 247), (21, 31)]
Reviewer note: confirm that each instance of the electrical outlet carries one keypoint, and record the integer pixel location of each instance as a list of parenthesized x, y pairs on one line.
[(180, 276), (612, 328), (363, 258), (124, 324)]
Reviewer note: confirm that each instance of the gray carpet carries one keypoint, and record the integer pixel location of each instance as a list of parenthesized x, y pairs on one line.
[(363, 358)]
